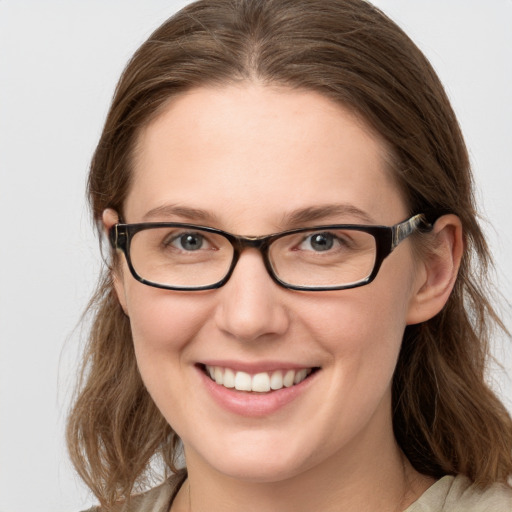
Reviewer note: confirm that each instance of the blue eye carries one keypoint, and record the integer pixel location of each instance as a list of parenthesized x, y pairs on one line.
[(188, 241), (321, 241)]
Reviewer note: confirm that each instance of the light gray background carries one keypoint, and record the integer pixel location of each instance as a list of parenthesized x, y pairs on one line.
[(59, 61)]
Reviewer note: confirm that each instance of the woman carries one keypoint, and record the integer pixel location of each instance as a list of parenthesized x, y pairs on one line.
[(294, 310)]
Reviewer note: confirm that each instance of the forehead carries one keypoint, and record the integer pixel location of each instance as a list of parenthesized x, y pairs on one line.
[(253, 152)]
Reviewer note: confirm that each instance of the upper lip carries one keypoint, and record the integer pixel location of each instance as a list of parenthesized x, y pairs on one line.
[(256, 367)]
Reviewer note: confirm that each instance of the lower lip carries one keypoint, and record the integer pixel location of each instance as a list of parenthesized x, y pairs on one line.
[(251, 404)]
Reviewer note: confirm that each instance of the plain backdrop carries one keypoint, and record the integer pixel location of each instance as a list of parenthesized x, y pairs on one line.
[(59, 62)]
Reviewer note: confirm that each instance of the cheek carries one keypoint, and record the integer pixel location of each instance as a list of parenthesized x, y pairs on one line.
[(362, 329), (360, 319), (163, 325), (162, 322)]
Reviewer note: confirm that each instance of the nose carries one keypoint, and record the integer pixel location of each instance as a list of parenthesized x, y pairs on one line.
[(251, 305)]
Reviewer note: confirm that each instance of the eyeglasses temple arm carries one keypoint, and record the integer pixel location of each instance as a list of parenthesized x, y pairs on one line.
[(113, 236), (408, 227)]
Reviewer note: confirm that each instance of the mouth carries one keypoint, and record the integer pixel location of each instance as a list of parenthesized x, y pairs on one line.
[(262, 382)]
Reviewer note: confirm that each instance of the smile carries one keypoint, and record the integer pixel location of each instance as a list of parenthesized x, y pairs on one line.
[(263, 382)]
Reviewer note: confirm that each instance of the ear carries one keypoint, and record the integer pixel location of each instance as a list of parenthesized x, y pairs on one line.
[(438, 270), (109, 218)]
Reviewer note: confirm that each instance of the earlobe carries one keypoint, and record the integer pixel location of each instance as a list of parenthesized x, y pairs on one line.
[(109, 218), (440, 267)]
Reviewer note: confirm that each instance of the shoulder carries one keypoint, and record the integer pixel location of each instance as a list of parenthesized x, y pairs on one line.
[(157, 499), (459, 494)]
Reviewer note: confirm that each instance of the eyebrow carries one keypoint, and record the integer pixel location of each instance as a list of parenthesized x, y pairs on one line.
[(185, 212), (318, 213), (289, 220)]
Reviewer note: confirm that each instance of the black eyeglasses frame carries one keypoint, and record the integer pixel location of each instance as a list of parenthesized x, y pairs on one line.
[(386, 239)]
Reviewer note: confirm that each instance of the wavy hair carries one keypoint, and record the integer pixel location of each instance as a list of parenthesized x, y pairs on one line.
[(446, 418)]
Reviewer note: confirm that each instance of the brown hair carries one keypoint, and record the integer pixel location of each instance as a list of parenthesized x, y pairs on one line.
[(446, 419)]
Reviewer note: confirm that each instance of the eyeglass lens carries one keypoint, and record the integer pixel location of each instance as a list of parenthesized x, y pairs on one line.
[(191, 257)]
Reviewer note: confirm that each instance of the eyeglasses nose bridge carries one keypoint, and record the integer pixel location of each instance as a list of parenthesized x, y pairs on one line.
[(260, 243)]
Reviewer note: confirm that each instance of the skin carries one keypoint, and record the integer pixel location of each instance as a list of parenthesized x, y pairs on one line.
[(248, 156)]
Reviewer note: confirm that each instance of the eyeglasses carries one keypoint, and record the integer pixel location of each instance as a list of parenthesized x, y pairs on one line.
[(177, 256)]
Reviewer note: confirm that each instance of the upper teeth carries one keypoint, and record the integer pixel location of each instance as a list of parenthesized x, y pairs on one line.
[(260, 382)]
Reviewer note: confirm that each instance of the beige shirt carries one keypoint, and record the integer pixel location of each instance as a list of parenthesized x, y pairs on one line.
[(449, 494), (457, 494)]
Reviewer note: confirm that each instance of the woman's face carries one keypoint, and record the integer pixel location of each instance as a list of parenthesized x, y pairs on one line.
[(254, 160)]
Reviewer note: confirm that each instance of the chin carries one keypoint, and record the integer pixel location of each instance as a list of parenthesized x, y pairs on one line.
[(258, 460), (259, 471)]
